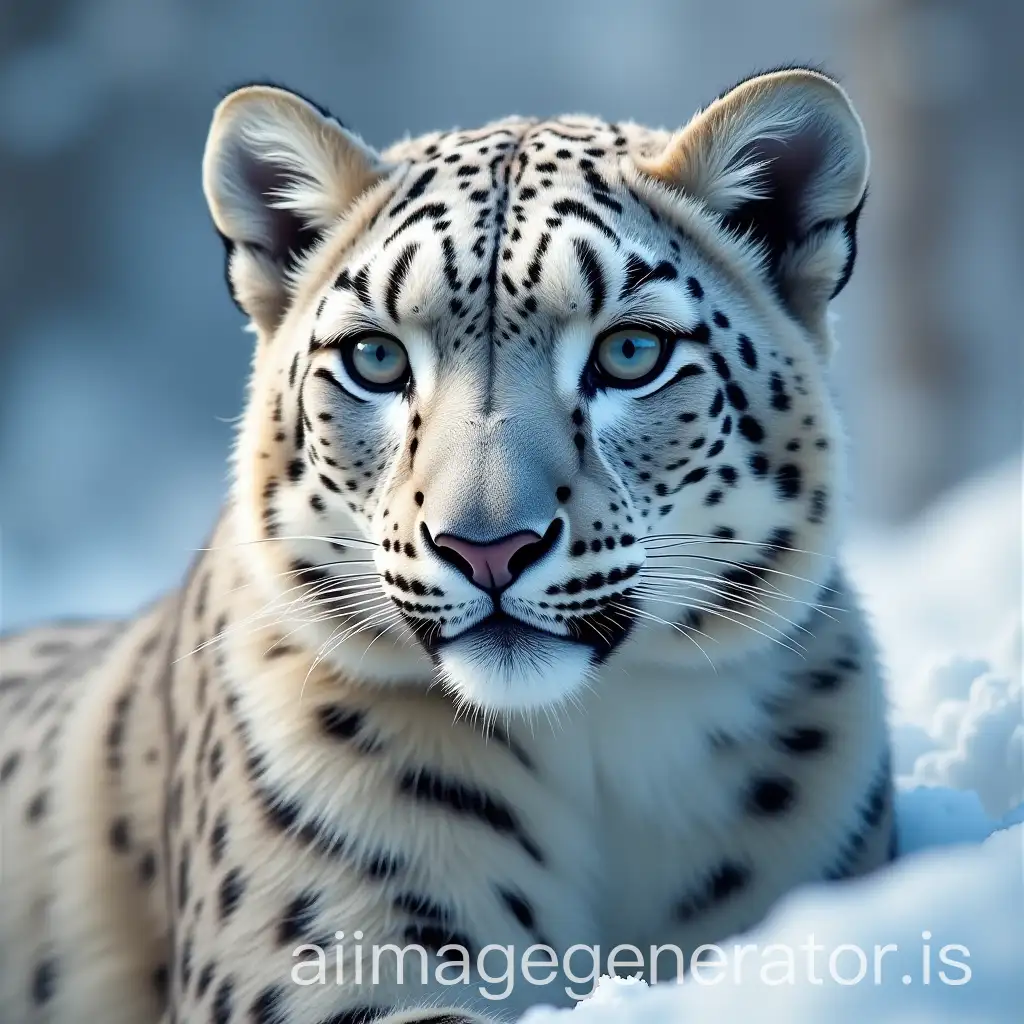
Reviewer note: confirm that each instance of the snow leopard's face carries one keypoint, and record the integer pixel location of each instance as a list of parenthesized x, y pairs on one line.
[(527, 403)]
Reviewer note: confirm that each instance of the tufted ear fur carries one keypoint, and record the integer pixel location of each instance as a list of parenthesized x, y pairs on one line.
[(783, 158), (277, 172)]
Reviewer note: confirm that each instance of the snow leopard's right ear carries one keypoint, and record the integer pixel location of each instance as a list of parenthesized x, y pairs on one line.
[(278, 172), (782, 159)]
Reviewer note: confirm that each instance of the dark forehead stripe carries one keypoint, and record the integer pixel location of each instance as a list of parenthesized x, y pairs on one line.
[(428, 211), (500, 167), (397, 277), (357, 284), (639, 272), (497, 171), (419, 186), (599, 188), (451, 266), (533, 271), (590, 265), (574, 208)]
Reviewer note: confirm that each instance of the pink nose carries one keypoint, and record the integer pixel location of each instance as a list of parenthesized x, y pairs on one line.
[(491, 565)]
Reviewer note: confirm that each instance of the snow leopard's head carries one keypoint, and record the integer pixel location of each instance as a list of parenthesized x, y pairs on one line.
[(527, 392)]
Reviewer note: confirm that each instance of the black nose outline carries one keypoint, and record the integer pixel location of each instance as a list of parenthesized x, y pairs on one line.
[(529, 554)]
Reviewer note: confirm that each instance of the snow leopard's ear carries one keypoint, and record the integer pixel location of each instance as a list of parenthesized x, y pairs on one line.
[(277, 172), (783, 158)]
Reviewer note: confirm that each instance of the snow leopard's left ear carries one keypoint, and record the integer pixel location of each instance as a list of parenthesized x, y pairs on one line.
[(277, 172), (783, 157)]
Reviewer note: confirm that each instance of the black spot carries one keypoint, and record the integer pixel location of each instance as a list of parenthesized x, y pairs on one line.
[(721, 320), (147, 867), (736, 395), (751, 429), (717, 403), (780, 400), (771, 794), (119, 837), (747, 352), (44, 981), (297, 918), (183, 875), (521, 910), (160, 980), (759, 463), (37, 806), (338, 722), (818, 505), (222, 1001), (871, 815), (186, 959), (804, 740), (823, 682), (693, 286), (9, 765), (266, 1007), (788, 480), (728, 878), (219, 837), (418, 905), (205, 978), (720, 365), (563, 494), (232, 889), (217, 750)]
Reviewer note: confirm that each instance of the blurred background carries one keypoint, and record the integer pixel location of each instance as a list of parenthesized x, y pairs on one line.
[(122, 358)]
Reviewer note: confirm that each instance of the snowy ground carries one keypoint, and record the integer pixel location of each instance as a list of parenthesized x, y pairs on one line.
[(946, 599)]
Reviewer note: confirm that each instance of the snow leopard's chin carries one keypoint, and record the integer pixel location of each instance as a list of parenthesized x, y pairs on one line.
[(508, 666)]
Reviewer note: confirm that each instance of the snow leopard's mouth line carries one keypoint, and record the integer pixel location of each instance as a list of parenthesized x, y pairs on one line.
[(503, 634)]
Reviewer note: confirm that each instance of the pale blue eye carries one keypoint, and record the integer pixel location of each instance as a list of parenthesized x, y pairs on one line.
[(629, 355), (378, 361)]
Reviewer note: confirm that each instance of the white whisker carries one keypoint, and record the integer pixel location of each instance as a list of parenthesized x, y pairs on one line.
[(678, 627)]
